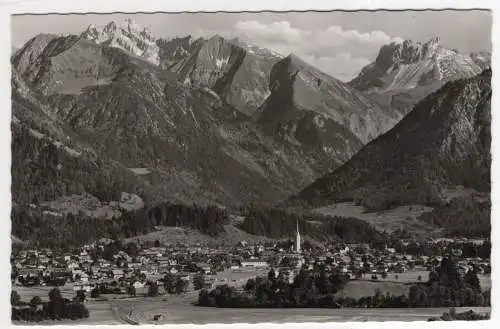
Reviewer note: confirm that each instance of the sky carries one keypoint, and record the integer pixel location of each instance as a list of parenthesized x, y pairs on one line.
[(338, 43)]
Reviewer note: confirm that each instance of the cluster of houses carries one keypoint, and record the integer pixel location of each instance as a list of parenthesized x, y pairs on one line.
[(86, 271)]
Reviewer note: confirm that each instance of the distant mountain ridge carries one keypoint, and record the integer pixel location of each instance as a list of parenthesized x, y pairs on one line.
[(196, 147), (128, 36), (444, 142), (404, 72), (408, 64), (195, 120)]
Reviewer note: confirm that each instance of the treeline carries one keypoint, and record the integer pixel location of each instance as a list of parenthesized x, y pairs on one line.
[(43, 172), (73, 230), (57, 308), (276, 223), (465, 216), (452, 315), (308, 289), (448, 288), (469, 249), (316, 288)]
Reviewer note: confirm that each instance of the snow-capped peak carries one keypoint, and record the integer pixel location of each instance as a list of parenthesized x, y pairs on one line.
[(128, 36)]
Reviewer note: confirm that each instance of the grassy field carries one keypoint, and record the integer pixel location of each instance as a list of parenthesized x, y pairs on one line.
[(362, 288), (388, 220), (174, 310), (27, 293), (237, 277), (405, 277), (180, 308)]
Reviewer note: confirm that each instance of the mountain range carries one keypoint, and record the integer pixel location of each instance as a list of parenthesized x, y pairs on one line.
[(115, 111), (404, 72), (443, 143)]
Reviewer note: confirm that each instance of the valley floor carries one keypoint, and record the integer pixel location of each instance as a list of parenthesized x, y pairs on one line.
[(119, 309)]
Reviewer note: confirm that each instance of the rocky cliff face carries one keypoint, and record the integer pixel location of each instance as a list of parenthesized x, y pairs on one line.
[(233, 72), (444, 142), (407, 71), (136, 116), (311, 108), (409, 64), (128, 36), (174, 51)]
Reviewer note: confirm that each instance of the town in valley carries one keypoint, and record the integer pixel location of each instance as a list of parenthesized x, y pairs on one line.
[(251, 167)]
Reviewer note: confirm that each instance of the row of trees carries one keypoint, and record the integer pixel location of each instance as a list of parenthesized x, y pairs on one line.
[(70, 230), (446, 288), (38, 176), (276, 223), (308, 289), (465, 216), (57, 308)]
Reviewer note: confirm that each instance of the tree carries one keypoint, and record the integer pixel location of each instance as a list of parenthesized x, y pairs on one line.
[(131, 290), (95, 293), (271, 275), (15, 298), (80, 296), (198, 281), (169, 282), (35, 301), (180, 286), (56, 304), (471, 280), (153, 289), (250, 285), (55, 294)]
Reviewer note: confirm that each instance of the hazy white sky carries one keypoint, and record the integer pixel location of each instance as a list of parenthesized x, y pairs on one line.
[(339, 43)]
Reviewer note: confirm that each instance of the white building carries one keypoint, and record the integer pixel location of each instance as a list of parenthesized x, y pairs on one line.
[(254, 263), (297, 240)]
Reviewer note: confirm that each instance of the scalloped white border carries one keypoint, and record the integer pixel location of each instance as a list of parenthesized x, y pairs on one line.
[(8, 7)]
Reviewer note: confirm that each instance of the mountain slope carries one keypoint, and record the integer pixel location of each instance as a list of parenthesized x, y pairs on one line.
[(407, 71), (310, 108), (173, 51), (195, 147), (444, 142), (409, 64), (233, 72)]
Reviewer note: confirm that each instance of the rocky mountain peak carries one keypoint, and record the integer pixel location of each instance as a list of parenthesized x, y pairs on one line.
[(409, 64), (128, 36), (406, 52)]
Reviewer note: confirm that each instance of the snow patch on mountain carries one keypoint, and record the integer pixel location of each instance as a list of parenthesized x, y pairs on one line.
[(221, 62), (128, 36)]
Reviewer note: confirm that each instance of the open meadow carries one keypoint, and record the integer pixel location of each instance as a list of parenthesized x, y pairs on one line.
[(119, 309), (387, 220)]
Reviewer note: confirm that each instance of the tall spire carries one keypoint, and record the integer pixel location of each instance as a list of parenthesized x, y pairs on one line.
[(297, 239)]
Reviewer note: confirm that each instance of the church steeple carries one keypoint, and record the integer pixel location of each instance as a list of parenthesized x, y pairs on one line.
[(297, 239)]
